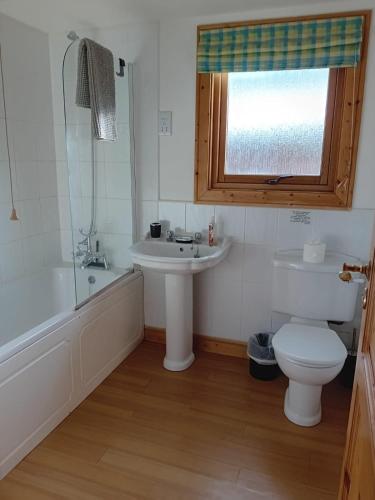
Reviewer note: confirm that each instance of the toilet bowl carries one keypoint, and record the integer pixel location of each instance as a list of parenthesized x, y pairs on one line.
[(310, 356)]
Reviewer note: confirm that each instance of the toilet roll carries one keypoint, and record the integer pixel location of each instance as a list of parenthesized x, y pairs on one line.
[(314, 252)]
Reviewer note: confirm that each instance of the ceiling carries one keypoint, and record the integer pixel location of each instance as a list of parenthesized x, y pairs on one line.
[(58, 15)]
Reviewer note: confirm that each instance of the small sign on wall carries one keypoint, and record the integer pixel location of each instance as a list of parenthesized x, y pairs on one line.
[(301, 217)]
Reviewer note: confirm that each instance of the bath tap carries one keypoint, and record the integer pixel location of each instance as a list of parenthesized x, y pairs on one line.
[(96, 260), (90, 258)]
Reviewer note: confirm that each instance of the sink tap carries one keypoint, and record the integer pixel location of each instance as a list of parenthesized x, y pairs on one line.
[(170, 235), (197, 238)]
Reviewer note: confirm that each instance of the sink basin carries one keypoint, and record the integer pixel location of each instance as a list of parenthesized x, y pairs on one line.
[(178, 261), (178, 258)]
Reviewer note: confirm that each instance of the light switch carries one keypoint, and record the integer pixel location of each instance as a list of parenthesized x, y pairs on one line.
[(165, 122)]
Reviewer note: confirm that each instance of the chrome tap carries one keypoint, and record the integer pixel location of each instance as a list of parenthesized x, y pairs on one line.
[(90, 258), (170, 235), (197, 241), (197, 238)]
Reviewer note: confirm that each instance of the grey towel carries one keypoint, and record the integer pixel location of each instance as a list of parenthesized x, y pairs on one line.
[(96, 87)]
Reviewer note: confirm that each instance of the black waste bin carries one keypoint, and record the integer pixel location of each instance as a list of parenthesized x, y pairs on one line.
[(262, 361)]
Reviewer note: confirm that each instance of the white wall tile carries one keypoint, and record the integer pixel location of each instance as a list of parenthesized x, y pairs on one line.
[(23, 246), (83, 141), (62, 178), (344, 231), (202, 302), (198, 217), (147, 213), (278, 320), (45, 143), (47, 178), (119, 216), (261, 225), (12, 262), (256, 310), (294, 234), (226, 296), (51, 249), (67, 245), (174, 213), (64, 213), (116, 247), (5, 182), (347, 232), (33, 254), (230, 221), (231, 268), (258, 264), (86, 173), (118, 180), (25, 141), (50, 214), (30, 216), (60, 144), (119, 151), (27, 180), (9, 230), (3, 142)]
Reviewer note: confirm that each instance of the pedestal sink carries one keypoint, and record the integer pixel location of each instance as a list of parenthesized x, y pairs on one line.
[(178, 262)]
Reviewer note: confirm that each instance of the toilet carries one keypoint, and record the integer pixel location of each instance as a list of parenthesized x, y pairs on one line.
[(308, 352)]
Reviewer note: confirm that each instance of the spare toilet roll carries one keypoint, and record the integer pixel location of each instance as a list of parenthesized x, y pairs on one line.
[(314, 252)]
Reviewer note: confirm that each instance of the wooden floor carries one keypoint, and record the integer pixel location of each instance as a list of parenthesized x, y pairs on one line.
[(208, 432)]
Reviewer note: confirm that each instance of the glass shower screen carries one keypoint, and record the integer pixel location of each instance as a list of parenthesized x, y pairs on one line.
[(101, 191)]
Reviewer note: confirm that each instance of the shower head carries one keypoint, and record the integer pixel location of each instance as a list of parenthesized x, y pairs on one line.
[(72, 35)]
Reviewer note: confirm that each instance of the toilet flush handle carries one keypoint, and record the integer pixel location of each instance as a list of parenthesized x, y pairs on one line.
[(348, 269)]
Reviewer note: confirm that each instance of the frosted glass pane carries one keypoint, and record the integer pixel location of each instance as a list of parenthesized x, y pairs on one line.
[(275, 122)]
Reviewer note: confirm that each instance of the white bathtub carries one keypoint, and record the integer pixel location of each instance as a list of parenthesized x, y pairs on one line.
[(52, 356)]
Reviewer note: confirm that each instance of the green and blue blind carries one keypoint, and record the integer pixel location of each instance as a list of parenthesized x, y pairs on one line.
[(319, 43)]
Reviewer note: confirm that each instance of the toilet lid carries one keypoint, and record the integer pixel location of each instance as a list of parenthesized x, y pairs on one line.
[(309, 345)]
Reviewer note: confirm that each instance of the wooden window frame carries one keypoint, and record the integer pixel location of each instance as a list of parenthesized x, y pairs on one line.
[(332, 189)]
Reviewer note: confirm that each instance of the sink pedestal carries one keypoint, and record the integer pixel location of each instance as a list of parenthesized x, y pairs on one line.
[(179, 318)]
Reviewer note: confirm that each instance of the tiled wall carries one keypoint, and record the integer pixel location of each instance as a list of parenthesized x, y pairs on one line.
[(233, 299), (114, 205), (33, 242)]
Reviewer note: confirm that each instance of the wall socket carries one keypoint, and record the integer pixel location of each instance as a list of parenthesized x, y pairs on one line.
[(165, 122)]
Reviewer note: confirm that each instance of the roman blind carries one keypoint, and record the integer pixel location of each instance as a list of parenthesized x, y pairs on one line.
[(320, 43)]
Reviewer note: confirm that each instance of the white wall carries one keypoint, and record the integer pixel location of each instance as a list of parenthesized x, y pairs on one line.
[(234, 299), (33, 242)]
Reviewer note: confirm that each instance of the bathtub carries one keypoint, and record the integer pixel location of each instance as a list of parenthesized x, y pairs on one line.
[(53, 353)]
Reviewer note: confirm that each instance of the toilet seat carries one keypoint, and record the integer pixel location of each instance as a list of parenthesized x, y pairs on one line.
[(309, 346)]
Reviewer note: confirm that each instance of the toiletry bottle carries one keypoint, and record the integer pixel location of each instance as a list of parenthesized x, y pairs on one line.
[(211, 232)]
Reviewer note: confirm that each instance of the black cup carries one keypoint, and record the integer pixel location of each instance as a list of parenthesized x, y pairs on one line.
[(155, 230)]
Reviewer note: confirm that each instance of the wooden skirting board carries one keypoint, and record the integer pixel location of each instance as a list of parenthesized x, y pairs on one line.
[(202, 343)]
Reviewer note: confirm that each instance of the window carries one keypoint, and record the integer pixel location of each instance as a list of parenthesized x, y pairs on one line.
[(285, 137), (275, 122)]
